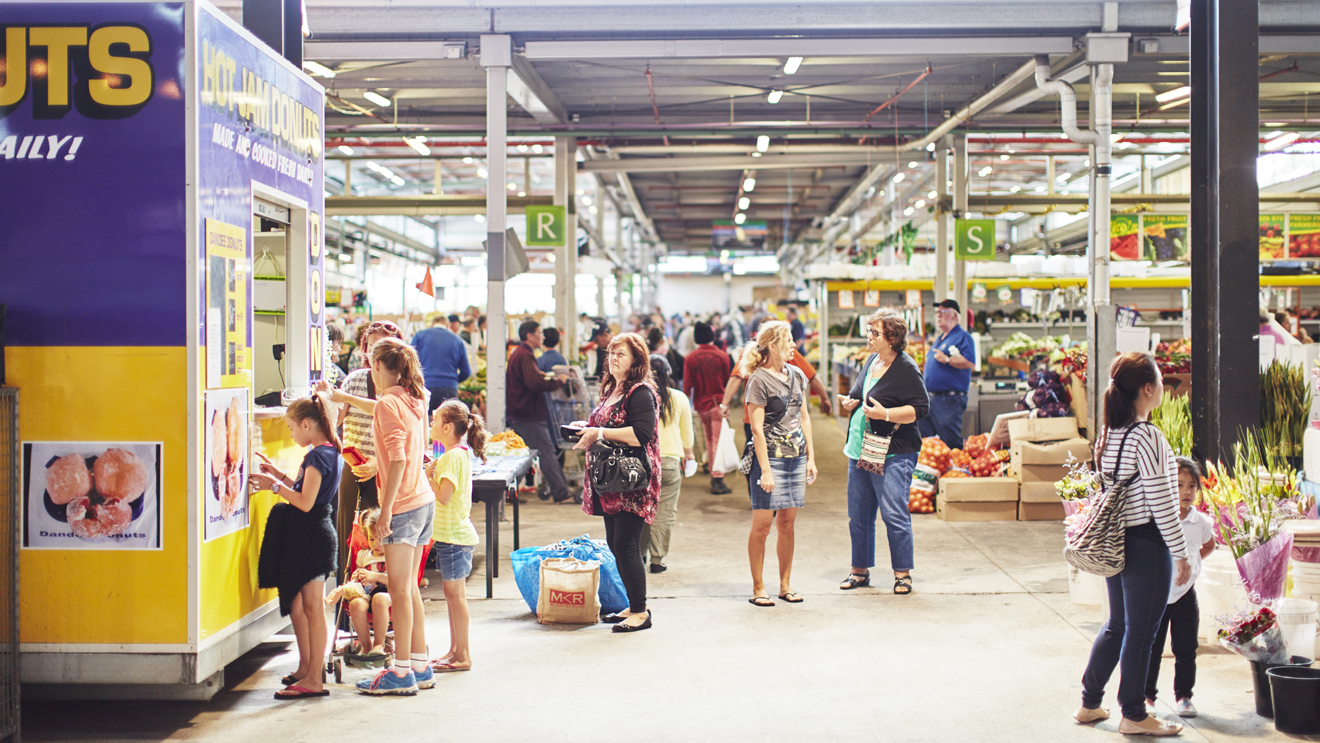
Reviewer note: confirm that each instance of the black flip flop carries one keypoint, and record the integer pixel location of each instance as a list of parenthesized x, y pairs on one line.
[(290, 680), (762, 601), (300, 693), (904, 582), (790, 598)]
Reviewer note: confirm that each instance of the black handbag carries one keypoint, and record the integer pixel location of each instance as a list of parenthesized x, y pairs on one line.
[(618, 468)]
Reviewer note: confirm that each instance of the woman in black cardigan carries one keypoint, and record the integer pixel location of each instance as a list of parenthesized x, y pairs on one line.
[(888, 398)]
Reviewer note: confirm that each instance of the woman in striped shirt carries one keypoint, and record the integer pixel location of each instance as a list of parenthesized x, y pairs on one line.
[(1129, 446)]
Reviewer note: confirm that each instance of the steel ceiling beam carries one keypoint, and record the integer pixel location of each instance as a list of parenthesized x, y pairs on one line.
[(531, 92), (423, 205), (728, 162), (797, 47)]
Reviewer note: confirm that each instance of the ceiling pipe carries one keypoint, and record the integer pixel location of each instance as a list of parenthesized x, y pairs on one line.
[(1067, 101)]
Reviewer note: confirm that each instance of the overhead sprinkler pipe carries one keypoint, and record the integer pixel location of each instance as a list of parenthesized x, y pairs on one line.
[(1067, 100)]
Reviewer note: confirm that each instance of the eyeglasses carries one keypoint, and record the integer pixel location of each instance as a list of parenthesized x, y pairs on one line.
[(874, 333)]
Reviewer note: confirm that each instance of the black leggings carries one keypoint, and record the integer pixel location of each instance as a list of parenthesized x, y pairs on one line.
[(623, 532)]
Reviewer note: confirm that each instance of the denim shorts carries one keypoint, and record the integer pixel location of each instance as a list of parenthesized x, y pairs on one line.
[(454, 561), (412, 527)]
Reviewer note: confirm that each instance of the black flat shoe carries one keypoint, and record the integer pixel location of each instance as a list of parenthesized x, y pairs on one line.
[(614, 618), (658, 568), (638, 628)]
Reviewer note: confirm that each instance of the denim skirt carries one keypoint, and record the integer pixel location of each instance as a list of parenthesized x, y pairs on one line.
[(790, 475)]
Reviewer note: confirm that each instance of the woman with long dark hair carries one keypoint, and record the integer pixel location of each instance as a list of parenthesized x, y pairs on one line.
[(677, 438), (626, 415), (1130, 448)]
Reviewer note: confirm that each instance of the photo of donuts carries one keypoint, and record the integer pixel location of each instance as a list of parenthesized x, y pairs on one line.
[(91, 495), (228, 441)]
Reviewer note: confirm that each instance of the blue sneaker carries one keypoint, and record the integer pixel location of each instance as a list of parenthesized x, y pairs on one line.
[(389, 682), (425, 678)]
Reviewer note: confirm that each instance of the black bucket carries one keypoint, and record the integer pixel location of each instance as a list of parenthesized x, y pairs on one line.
[(1296, 692), (1260, 683)]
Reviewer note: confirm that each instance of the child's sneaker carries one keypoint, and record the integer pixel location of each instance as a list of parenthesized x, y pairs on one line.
[(1185, 708), (425, 678), (389, 682)]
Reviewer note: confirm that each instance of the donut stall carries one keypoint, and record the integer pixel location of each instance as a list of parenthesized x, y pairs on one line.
[(160, 314)]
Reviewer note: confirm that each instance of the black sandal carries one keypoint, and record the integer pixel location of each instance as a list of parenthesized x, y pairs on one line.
[(290, 680), (761, 601), (856, 581), (790, 597), (904, 582)]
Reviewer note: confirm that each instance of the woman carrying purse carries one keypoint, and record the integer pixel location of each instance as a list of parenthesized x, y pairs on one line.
[(882, 446), (782, 460), (1153, 546), (626, 416)]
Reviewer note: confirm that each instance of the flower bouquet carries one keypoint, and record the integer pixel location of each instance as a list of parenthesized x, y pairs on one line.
[(1249, 503), (1077, 487), (1254, 636)]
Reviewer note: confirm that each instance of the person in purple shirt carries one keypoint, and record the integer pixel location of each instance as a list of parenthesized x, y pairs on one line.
[(444, 360)]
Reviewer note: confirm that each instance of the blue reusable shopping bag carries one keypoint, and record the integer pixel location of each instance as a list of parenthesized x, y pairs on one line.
[(527, 570)]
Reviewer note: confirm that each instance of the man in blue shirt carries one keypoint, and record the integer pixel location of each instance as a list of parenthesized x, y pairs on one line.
[(797, 328), (444, 360), (550, 356), (949, 363)]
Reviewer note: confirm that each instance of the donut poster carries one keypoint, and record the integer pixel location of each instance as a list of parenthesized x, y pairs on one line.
[(91, 495), (225, 485)]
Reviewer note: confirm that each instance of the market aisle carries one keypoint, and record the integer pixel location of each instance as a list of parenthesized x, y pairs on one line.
[(989, 648)]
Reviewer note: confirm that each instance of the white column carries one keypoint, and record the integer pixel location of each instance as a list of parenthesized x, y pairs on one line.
[(960, 208), (942, 220), (570, 242), (562, 198), (496, 57)]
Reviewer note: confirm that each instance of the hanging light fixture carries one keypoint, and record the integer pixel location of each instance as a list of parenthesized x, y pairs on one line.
[(376, 98), (774, 96), (763, 143), (792, 65)]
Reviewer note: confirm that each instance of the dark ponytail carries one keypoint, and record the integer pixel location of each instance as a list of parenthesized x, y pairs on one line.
[(1129, 373), (660, 370), (315, 409)]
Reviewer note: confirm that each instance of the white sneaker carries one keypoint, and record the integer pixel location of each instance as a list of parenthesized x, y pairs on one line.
[(1185, 708)]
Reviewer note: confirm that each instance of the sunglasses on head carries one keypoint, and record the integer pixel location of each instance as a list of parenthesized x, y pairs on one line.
[(384, 326)]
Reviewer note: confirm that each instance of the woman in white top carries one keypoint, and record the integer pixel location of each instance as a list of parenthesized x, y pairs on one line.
[(1129, 446)]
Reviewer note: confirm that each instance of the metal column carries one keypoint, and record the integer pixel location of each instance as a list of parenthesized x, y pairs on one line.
[(570, 243), (563, 197), (960, 209), (942, 220), (496, 57), (278, 24), (1224, 223)]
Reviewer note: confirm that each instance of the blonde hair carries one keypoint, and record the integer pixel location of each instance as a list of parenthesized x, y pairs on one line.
[(367, 519), (756, 354)]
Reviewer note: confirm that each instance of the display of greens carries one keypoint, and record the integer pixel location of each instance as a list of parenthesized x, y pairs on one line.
[(1174, 419), (1285, 406)]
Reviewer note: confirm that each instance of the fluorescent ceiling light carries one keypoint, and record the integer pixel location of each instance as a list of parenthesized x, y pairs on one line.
[(418, 145), (1040, 189), (749, 185), (908, 211), (522, 148), (983, 172), (537, 148), (756, 154), (744, 203), (774, 96), (1281, 140), (1173, 95), (930, 147), (1064, 177), (1116, 138), (912, 164), (345, 149), (1003, 157), (550, 257), (317, 69), (899, 178), (467, 161), (1015, 189), (931, 195), (396, 180), (482, 173), (1274, 123), (763, 143), (792, 65), (479, 217), (345, 257), (592, 209), (376, 98), (513, 186), (524, 193), (739, 218), (920, 203)]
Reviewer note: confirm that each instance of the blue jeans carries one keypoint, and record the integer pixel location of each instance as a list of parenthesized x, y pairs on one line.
[(887, 493), (1137, 598), (945, 419)]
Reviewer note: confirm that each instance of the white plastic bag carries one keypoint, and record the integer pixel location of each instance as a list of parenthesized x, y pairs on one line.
[(727, 455)]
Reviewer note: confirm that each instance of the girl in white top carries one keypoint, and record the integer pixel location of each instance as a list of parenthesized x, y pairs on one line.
[(1153, 547)]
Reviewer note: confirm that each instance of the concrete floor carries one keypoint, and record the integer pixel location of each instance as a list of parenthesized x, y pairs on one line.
[(988, 648)]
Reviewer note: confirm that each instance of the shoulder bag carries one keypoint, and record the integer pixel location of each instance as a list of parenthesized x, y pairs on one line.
[(875, 448), (618, 468), (771, 419), (1098, 548)]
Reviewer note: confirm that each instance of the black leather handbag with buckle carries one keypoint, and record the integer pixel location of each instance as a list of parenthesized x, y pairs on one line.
[(618, 468)]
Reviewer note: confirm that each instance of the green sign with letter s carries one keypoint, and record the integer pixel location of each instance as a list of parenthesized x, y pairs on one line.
[(974, 239)]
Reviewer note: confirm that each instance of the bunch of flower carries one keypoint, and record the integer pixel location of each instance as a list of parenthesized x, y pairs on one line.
[(1076, 519), (1080, 483), (1254, 635), (1251, 499)]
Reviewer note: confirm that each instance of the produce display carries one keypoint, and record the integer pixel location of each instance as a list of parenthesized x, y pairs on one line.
[(1175, 357), (504, 443), (937, 460), (1022, 347), (1047, 398)]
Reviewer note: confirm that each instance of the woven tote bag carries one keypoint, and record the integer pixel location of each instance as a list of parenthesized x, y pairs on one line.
[(1098, 548)]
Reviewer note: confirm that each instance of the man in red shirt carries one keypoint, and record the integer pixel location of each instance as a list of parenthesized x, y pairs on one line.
[(705, 373), (524, 400)]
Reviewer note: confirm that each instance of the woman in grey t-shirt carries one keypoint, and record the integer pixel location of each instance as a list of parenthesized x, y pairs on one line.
[(784, 462)]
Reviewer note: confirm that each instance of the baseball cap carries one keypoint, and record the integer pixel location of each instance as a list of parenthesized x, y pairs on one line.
[(949, 304)]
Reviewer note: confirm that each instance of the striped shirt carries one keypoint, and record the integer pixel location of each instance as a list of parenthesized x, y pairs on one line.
[(1154, 494), (357, 424)]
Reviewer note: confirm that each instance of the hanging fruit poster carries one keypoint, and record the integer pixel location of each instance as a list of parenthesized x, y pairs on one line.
[(1271, 236), (228, 442), (1164, 237), (1304, 235), (87, 495), (1124, 240)]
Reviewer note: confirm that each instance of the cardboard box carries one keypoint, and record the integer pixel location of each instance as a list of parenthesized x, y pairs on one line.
[(987, 511), (1040, 511), (1038, 492), (1054, 452), (1029, 473), (1042, 429), (978, 490)]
